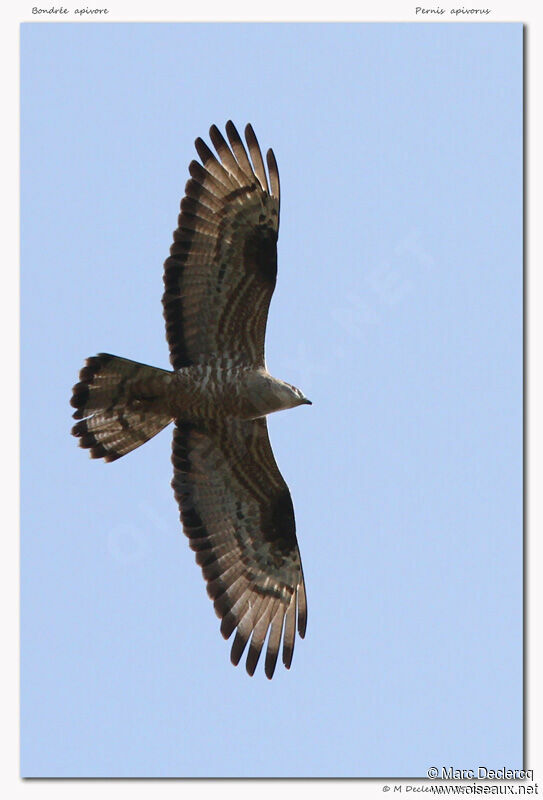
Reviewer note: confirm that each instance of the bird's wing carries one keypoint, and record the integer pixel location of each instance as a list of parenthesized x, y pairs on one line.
[(237, 512), (220, 276)]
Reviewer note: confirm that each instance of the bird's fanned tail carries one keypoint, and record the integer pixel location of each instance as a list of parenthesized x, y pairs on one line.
[(119, 404)]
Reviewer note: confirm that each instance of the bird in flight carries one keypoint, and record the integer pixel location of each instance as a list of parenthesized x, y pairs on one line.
[(235, 507)]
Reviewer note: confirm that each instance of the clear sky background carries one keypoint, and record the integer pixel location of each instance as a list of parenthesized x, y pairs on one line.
[(398, 311)]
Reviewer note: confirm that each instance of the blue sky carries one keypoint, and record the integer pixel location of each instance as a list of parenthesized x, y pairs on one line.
[(398, 311)]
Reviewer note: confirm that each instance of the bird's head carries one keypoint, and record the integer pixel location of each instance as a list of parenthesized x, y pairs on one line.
[(268, 394), (293, 396)]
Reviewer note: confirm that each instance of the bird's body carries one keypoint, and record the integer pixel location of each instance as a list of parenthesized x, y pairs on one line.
[(235, 506), (242, 393)]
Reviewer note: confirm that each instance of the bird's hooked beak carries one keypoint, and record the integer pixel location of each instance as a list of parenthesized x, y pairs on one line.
[(307, 402)]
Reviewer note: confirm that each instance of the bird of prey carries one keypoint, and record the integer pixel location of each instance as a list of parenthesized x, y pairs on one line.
[(235, 507)]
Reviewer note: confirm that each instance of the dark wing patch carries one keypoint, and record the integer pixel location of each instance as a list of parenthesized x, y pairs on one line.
[(221, 272), (237, 513)]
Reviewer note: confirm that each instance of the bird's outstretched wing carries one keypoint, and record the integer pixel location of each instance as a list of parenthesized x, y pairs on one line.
[(237, 512), (220, 276)]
